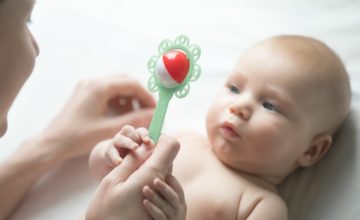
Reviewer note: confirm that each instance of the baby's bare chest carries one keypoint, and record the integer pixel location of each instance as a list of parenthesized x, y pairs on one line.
[(212, 190), (211, 198)]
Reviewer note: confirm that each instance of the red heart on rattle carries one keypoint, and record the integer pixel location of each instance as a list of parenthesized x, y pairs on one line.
[(173, 68)]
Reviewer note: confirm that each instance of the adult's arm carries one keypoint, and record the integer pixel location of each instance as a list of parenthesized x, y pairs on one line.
[(93, 113), (20, 171)]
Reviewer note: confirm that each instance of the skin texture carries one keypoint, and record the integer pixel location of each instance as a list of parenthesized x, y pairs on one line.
[(18, 53), (274, 114), (108, 155), (119, 193)]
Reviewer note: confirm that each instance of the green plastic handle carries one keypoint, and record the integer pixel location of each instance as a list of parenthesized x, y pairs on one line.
[(159, 114)]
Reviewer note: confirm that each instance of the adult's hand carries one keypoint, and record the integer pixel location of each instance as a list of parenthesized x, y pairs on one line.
[(96, 110), (119, 195), (93, 113)]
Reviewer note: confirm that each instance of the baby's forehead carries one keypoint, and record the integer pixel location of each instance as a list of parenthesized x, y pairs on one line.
[(309, 55), (291, 68), (298, 49)]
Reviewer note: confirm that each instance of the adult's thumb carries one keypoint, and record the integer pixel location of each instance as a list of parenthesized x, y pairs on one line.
[(130, 164), (164, 154)]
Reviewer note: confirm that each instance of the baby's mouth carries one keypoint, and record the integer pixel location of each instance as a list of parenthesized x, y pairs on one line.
[(229, 130)]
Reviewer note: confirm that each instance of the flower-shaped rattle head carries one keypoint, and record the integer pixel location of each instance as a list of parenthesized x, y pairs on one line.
[(174, 67), (171, 71)]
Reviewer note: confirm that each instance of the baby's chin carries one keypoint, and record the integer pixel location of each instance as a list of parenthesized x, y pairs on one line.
[(224, 152)]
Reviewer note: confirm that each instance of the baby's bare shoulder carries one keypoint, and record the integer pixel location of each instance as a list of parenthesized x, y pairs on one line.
[(262, 205)]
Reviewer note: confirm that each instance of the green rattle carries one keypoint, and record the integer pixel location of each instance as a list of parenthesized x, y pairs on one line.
[(171, 72)]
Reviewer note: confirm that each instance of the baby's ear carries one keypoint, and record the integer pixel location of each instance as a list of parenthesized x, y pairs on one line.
[(318, 148)]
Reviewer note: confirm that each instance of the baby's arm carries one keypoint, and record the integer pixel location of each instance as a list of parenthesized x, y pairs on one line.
[(165, 199), (269, 208), (108, 154)]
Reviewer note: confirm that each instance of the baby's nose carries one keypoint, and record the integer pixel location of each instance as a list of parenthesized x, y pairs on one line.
[(243, 106), (244, 112)]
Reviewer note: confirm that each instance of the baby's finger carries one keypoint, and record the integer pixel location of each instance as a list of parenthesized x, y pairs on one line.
[(130, 131), (144, 135), (169, 194), (158, 201), (175, 185), (121, 141), (154, 211), (113, 156)]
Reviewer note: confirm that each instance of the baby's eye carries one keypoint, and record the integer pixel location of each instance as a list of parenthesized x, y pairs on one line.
[(271, 107), (234, 89)]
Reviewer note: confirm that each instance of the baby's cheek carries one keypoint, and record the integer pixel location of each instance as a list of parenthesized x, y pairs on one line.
[(267, 140)]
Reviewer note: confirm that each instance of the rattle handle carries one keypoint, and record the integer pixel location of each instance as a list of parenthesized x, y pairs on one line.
[(159, 114)]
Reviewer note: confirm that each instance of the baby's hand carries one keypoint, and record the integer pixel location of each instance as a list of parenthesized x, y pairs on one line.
[(128, 139), (165, 200), (108, 154)]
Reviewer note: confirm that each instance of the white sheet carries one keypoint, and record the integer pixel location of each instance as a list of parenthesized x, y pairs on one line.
[(82, 38)]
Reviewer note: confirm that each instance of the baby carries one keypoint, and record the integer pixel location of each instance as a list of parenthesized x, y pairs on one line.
[(279, 110)]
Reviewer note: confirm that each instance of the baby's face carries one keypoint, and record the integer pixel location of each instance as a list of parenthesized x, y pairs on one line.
[(18, 50), (261, 122)]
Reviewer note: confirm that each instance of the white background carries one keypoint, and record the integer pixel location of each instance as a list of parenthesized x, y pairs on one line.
[(85, 38)]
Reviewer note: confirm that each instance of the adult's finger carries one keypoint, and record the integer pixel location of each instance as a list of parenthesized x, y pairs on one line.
[(122, 85), (129, 164), (164, 154), (137, 118)]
